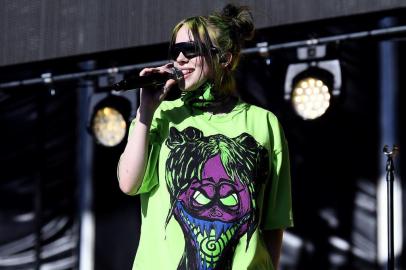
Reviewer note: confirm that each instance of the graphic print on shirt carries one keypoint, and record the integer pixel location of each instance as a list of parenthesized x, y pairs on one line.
[(213, 182)]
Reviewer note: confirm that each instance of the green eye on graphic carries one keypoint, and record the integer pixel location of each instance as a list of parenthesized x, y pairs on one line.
[(230, 200), (200, 198)]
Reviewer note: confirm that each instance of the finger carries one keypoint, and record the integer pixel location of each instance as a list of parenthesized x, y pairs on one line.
[(145, 71), (168, 65), (167, 68), (167, 87), (170, 83), (165, 91)]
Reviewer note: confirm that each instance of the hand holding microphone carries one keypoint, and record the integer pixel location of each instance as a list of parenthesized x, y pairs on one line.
[(150, 78), (155, 84)]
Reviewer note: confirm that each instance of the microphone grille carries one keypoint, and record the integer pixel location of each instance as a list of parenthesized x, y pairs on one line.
[(177, 74)]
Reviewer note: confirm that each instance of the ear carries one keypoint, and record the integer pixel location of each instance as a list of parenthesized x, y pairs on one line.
[(225, 59)]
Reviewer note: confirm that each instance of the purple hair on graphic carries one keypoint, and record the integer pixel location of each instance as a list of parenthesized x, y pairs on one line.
[(213, 182)]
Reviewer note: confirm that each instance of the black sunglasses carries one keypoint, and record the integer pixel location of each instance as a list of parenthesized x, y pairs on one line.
[(188, 49)]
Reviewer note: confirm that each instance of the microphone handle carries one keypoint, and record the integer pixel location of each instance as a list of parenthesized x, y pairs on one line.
[(150, 81)]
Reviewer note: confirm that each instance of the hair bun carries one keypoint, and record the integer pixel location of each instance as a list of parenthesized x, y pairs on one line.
[(241, 18), (230, 11)]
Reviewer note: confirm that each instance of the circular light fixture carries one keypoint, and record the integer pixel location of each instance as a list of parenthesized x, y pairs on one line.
[(310, 98), (108, 124)]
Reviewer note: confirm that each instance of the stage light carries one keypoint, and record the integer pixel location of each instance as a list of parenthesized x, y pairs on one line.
[(109, 120), (109, 126), (310, 98), (310, 86)]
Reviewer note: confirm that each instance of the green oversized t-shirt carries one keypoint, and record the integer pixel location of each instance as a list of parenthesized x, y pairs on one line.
[(213, 183)]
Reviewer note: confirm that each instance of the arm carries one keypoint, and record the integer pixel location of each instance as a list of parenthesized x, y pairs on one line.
[(133, 161), (273, 241)]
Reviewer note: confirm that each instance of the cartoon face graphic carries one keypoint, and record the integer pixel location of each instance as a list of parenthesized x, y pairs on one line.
[(213, 204), (216, 196)]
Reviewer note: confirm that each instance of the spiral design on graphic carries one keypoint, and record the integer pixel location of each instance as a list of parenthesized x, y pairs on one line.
[(212, 248)]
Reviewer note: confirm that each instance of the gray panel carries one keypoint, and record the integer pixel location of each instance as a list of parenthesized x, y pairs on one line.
[(33, 30)]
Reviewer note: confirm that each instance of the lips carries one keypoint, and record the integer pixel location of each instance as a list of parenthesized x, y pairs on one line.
[(186, 72)]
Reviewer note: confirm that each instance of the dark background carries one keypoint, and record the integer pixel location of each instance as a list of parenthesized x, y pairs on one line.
[(335, 160), (33, 30)]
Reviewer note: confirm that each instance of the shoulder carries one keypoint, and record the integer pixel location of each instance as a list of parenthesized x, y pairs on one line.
[(259, 113), (266, 124)]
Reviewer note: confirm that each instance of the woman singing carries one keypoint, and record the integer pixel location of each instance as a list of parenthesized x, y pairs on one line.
[(212, 171)]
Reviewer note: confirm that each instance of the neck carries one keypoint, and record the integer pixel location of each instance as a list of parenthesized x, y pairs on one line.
[(223, 107), (207, 99)]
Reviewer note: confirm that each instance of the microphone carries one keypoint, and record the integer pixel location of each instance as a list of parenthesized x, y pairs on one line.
[(149, 81)]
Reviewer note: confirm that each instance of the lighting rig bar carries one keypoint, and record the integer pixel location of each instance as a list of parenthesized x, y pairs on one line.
[(262, 48)]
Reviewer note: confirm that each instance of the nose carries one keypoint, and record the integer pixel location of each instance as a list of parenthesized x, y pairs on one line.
[(215, 212), (182, 58)]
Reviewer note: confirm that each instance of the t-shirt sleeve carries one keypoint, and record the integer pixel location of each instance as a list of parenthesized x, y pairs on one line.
[(151, 171), (277, 205)]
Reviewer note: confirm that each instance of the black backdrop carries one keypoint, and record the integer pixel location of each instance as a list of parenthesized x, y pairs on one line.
[(35, 30), (334, 158)]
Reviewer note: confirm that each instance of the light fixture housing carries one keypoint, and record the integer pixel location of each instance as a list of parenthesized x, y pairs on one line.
[(310, 87)]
